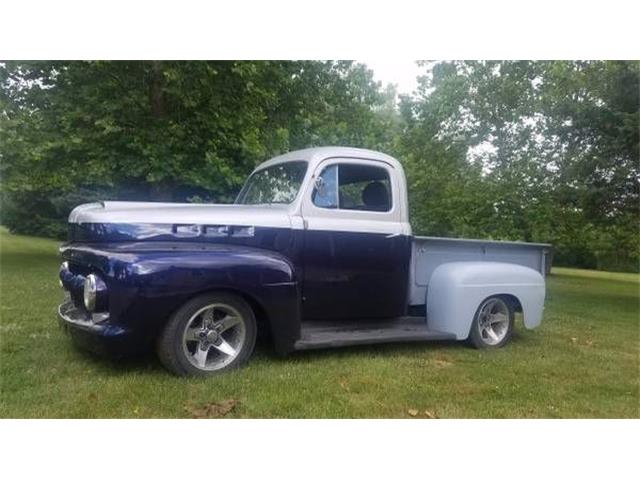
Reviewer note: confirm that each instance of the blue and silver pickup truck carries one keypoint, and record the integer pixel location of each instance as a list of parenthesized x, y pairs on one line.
[(316, 252)]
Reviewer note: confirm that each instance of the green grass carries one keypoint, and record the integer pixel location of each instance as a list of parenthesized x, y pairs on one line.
[(582, 362)]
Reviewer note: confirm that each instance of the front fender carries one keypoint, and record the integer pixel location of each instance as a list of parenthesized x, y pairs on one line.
[(457, 289), (155, 279)]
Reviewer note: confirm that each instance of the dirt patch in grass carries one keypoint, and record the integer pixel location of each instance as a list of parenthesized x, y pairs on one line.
[(212, 410)]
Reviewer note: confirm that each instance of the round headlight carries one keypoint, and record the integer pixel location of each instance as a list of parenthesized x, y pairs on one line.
[(95, 293), (90, 292)]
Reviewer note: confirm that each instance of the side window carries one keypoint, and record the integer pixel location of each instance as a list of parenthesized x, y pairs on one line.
[(364, 187), (325, 193), (352, 186)]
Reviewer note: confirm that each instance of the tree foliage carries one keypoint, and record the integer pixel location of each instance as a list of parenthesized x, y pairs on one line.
[(72, 131), (536, 151)]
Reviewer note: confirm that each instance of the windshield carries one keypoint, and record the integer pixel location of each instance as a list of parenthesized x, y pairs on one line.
[(277, 184)]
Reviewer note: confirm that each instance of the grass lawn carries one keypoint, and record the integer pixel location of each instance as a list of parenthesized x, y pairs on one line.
[(582, 362)]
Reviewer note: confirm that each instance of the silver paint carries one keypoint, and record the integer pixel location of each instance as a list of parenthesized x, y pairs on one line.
[(274, 215), (457, 289)]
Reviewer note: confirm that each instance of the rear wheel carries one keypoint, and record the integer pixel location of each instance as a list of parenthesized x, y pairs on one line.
[(493, 324), (207, 335)]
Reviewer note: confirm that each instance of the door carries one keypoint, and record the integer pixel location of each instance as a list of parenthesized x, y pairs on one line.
[(356, 257)]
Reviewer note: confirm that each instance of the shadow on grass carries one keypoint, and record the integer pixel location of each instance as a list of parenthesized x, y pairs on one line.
[(147, 362), (390, 349)]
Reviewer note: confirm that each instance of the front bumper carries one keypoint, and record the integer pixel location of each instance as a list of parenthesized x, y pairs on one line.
[(93, 332)]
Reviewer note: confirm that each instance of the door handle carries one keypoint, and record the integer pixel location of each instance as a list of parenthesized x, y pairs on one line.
[(393, 235)]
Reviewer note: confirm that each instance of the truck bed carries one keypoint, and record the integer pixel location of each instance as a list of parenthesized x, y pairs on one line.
[(429, 252)]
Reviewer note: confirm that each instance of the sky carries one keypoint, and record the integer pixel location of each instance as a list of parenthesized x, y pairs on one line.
[(403, 73)]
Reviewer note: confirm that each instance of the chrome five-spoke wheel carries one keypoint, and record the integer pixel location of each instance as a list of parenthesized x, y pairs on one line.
[(214, 336), (208, 334), (493, 323)]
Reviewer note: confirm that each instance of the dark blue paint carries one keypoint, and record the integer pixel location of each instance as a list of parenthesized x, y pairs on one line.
[(151, 270), (74, 284), (105, 338), (350, 275), (279, 239), (147, 282)]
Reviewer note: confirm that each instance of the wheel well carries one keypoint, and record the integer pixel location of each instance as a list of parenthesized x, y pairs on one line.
[(262, 319), (263, 323), (513, 301)]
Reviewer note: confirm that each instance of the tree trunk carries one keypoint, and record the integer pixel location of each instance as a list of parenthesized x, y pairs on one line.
[(156, 96), (158, 191)]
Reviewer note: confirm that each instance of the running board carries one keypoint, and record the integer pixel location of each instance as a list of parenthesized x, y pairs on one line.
[(341, 333)]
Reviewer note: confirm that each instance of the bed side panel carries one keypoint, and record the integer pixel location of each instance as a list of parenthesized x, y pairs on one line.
[(430, 252)]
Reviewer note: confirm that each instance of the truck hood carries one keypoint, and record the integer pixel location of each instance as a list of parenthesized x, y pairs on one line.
[(276, 216)]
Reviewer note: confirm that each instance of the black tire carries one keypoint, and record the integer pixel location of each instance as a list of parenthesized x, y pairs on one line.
[(478, 336), (171, 344)]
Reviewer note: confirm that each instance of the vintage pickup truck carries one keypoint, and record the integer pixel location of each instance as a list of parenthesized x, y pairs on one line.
[(316, 252)]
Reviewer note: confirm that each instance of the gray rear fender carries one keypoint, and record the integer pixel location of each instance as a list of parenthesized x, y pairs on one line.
[(457, 289)]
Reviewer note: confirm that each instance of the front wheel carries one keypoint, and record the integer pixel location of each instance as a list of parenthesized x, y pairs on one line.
[(209, 334), (493, 323)]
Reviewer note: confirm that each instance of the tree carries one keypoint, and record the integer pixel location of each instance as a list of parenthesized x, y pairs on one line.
[(76, 131), (556, 144), (536, 151)]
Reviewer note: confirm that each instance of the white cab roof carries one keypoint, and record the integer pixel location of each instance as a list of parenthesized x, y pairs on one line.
[(317, 154), (314, 156)]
